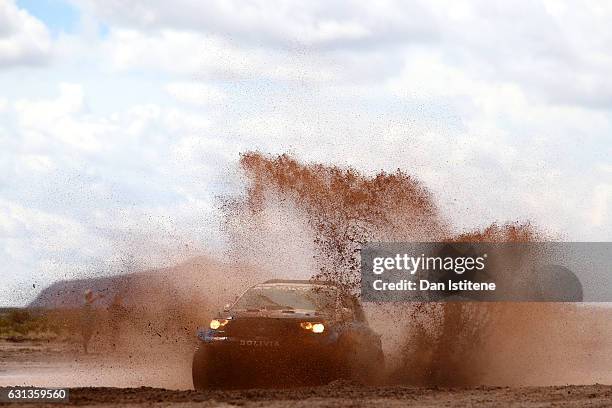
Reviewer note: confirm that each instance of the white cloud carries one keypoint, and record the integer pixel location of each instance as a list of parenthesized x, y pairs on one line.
[(41, 113), (510, 143), (195, 93), (559, 52), (188, 52), (48, 232), (602, 201), (55, 118), (24, 40), (37, 163), (502, 110), (279, 24), (81, 189)]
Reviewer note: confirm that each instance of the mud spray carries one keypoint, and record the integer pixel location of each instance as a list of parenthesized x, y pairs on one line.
[(309, 220), (302, 221)]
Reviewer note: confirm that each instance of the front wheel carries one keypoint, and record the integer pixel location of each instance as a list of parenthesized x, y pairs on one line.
[(361, 363), (210, 370), (199, 370)]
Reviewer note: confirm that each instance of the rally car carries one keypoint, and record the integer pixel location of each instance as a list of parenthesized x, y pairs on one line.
[(286, 332)]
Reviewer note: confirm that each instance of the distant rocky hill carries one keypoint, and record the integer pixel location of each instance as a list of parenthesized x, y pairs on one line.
[(69, 293), (198, 280)]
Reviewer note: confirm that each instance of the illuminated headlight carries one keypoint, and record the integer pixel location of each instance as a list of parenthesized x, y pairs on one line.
[(318, 328), (216, 323), (313, 327), (306, 325)]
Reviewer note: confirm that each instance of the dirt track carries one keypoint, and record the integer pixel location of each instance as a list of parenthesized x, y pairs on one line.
[(347, 395), (57, 365)]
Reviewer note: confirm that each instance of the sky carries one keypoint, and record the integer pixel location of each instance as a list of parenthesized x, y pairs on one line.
[(121, 123)]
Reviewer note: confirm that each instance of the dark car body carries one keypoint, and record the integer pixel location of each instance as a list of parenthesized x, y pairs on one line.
[(270, 335)]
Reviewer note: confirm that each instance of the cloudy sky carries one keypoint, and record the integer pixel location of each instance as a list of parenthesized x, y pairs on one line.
[(121, 122)]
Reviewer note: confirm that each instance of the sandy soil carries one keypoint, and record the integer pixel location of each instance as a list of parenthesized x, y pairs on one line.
[(347, 395), (64, 365), (108, 381)]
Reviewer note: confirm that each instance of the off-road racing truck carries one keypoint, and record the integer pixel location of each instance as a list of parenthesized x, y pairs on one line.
[(284, 332)]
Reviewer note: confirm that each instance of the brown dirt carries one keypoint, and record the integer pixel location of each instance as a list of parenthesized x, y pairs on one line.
[(347, 395), (124, 381)]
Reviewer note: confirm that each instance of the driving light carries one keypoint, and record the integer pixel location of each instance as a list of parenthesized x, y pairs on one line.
[(216, 323), (318, 328), (313, 327), (306, 325)]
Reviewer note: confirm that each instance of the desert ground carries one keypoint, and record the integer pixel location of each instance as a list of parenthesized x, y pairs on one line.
[(99, 379), (343, 395)]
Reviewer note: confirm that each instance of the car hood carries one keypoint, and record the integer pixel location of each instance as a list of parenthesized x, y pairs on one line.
[(295, 314)]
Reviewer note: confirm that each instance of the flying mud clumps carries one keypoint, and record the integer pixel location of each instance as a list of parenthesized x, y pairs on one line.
[(448, 343), (342, 208), (332, 211), (313, 218)]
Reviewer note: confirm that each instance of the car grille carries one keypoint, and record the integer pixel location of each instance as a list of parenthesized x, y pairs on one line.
[(263, 327)]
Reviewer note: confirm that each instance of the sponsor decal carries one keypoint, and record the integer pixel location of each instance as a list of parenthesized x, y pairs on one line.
[(260, 343)]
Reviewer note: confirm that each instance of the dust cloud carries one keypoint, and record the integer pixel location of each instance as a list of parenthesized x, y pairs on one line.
[(301, 221), (318, 216)]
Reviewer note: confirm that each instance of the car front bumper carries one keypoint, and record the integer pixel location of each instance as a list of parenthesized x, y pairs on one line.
[(255, 359)]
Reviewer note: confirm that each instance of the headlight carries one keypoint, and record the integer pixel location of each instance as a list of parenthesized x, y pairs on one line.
[(318, 328), (306, 325), (216, 323), (313, 327)]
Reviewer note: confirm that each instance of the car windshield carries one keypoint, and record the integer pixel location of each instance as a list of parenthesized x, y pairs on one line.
[(288, 297)]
